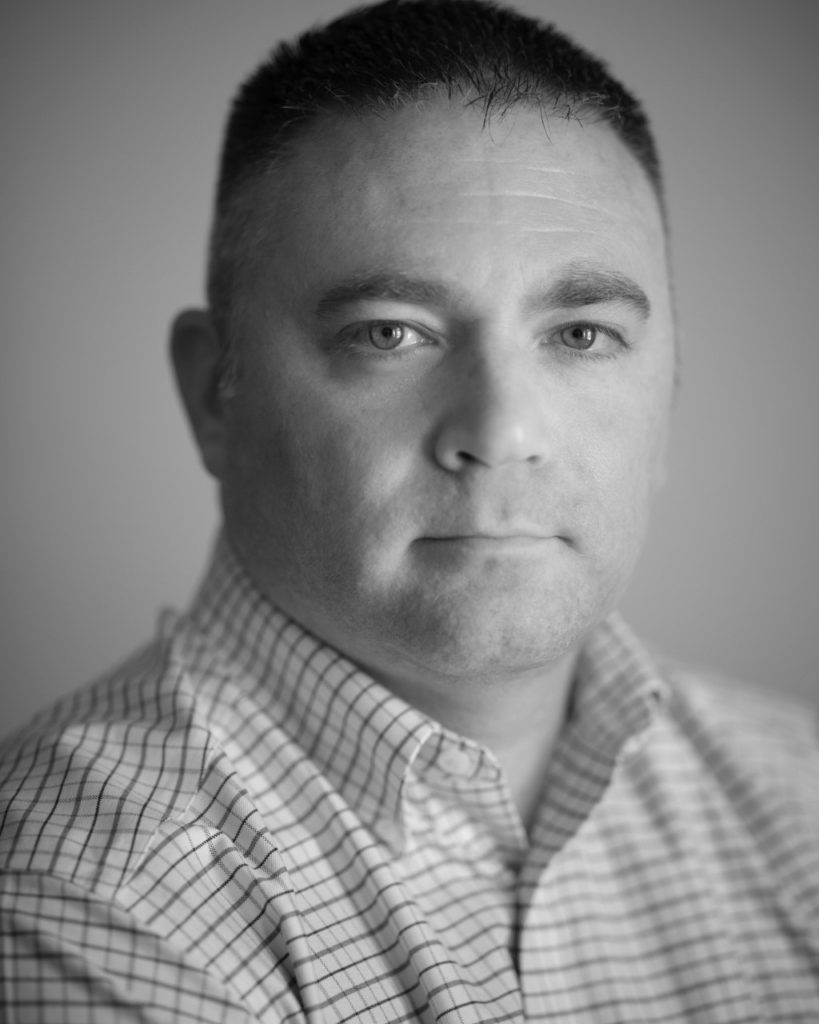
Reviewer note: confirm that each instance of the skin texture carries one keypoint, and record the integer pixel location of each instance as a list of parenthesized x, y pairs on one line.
[(456, 513)]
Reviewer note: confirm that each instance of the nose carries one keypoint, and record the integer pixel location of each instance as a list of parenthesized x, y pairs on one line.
[(496, 415)]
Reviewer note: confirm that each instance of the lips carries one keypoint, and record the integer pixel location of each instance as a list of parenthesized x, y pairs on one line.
[(468, 531), (491, 537), (507, 543)]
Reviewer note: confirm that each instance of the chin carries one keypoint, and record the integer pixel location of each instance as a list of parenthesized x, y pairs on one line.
[(483, 639)]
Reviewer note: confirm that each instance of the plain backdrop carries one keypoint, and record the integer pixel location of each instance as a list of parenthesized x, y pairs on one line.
[(110, 121)]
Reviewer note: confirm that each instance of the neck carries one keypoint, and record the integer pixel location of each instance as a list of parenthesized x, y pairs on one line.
[(519, 720)]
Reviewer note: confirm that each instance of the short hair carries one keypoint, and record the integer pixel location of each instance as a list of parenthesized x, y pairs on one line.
[(382, 57)]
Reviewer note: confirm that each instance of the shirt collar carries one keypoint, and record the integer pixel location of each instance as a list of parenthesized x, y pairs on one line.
[(617, 691)]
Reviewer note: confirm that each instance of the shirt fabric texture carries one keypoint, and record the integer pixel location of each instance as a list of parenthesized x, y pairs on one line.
[(239, 825)]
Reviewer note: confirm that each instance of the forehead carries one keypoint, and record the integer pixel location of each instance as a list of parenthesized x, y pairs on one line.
[(434, 187)]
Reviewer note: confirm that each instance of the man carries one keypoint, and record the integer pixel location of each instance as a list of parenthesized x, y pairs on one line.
[(401, 760)]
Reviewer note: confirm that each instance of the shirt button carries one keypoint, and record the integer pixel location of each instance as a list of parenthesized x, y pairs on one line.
[(456, 761), (632, 747)]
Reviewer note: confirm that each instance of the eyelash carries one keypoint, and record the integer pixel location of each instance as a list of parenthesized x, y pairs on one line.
[(352, 342), (604, 329)]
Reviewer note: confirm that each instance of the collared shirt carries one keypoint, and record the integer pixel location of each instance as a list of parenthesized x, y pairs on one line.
[(239, 825)]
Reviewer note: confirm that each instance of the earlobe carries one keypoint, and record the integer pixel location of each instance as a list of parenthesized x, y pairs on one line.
[(196, 357)]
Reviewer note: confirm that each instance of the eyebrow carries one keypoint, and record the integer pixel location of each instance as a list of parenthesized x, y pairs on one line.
[(396, 287), (584, 284), (580, 284)]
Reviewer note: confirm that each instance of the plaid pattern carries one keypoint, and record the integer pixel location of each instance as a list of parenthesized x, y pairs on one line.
[(238, 825)]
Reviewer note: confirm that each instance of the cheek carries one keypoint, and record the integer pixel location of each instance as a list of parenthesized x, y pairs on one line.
[(622, 457), (316, 468)]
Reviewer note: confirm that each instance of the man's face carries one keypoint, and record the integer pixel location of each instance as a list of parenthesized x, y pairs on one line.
[(456, 363)]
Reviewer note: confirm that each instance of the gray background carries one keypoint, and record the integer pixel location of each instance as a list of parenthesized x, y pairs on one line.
[(110, 120)]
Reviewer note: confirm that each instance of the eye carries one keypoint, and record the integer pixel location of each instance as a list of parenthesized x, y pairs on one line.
[(383, 339), (387, 335), (589, 340), (391, 335), (578, 336)]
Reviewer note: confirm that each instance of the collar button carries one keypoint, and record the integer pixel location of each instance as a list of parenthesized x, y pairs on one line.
[(456, 761)]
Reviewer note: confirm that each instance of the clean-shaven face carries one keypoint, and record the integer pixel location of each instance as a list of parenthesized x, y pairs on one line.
[(456, 363)]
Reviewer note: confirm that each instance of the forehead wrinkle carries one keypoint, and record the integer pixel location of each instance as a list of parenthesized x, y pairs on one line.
[(547, 196), (531, 230), (541, 168), (527, 228)]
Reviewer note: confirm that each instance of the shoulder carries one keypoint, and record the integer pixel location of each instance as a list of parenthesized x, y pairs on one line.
[(758, 770), (84, 787), (743, 728)]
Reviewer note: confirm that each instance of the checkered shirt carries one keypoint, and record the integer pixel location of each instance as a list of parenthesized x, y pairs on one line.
[(239, 825)]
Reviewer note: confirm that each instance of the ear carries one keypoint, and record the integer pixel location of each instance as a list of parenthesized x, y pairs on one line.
[(196, 356)]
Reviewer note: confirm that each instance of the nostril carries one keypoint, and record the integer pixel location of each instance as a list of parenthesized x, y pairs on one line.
[(468, 457)]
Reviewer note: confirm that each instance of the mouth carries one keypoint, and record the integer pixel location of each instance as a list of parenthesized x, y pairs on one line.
[(499, 542)]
